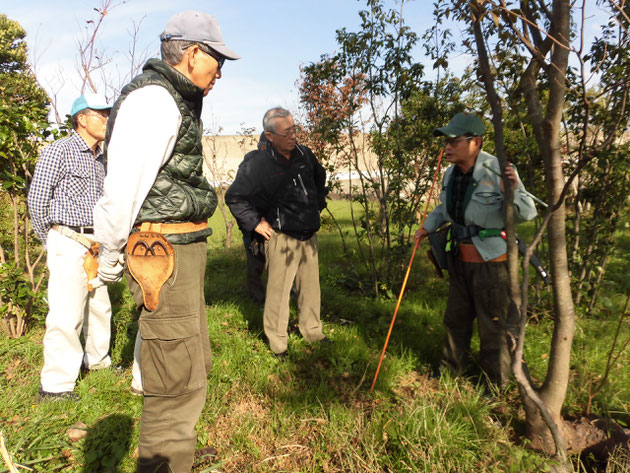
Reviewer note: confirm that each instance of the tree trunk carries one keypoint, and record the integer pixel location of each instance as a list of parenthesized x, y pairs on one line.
[(554, 388), (16, 229)]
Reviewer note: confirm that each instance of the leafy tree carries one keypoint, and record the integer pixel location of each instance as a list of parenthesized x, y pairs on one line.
[(522, 51), (23, 112), (594, 123), (364, 100)]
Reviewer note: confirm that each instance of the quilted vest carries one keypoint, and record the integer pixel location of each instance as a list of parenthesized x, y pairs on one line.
[(180, 192)]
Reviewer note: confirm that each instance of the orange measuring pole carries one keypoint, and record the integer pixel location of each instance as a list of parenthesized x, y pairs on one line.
[(404, 284)]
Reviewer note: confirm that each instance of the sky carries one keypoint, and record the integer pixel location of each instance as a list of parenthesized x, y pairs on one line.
[(274, 38)]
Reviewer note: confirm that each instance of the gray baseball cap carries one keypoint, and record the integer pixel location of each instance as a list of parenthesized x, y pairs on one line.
[(199, 27), (462, 124)]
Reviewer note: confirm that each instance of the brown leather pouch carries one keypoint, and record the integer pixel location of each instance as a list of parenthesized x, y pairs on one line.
[(150, 260), (90, 264)]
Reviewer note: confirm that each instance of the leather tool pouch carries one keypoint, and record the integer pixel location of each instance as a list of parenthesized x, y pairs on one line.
[(439, 251), (257, 247), (90, 264), (150, 260)]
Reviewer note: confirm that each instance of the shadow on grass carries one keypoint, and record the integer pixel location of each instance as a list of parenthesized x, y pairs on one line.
[(107, 444), (124, 324), (226, 282), (415, 334)]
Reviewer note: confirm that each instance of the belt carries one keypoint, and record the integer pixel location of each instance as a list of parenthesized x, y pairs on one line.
[(84, 230), (469, 254), (172, 228), (71, 232)]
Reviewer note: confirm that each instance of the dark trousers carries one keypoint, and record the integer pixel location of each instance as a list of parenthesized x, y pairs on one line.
[(175, 359), (256, 286), (479, 291)]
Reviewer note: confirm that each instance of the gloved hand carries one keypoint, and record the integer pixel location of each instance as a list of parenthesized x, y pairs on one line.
[(96, 283), (111, 271)]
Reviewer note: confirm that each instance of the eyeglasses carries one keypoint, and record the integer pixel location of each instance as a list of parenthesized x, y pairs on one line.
[(99, 115), (454, 141), (291, 131), (216, 56)]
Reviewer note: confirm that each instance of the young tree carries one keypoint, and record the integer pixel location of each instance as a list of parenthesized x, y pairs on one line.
[(220, 175), (358, 103), (539, 38), (594, 123), (23, 112)]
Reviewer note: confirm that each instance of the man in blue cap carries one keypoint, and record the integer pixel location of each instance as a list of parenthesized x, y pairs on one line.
[(155, 209), (472, 202), (67, 182)]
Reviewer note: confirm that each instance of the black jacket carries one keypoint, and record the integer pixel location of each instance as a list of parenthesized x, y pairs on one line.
[(289, 193)]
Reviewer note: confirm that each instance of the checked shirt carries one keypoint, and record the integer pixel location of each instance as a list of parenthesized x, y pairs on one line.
[(67, 182)]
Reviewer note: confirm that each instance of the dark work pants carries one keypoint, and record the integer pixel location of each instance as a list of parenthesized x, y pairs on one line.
[(479, 291), (175, 359), (256, 286)]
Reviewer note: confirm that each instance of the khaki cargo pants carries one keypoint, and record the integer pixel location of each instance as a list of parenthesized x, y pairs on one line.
[(175, 358), (479, 291)]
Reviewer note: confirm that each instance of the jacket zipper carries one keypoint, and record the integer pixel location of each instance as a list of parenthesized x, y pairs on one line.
[(302, 184)]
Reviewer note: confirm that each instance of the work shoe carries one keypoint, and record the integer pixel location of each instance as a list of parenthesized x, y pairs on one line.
[(435, 372), (117, 369), (326, 341), (281, 356), (206, 451), (44, 396)]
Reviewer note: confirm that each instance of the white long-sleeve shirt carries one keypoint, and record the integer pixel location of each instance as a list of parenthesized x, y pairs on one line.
[(142, 141)]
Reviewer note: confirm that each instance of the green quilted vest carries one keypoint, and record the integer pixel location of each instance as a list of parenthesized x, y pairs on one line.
[(180, 193)]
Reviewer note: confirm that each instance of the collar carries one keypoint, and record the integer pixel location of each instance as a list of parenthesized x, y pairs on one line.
[(84, 146), (295, 152), (190, 93)]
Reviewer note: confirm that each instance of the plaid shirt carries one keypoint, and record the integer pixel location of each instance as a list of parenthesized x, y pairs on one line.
[(460, 187), (67, 182)]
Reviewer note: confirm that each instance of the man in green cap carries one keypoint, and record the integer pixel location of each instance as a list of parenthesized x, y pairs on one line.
[(472, 202)]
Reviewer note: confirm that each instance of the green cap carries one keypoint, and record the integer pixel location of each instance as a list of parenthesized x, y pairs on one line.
[(462, 124)]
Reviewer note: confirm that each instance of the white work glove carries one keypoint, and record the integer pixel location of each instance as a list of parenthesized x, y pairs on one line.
[(96, 283), (110, 271)]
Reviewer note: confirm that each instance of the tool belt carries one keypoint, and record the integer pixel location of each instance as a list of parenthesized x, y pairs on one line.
[(172, 228), (467, 253), (439, 253), (150, 256), (466, 232), (257, 247), (90, 264)]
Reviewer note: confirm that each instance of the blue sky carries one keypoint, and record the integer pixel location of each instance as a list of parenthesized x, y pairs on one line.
[(274, 37)]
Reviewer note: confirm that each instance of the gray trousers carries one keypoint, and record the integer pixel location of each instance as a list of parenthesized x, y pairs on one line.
[(175, 358), (289, 260)]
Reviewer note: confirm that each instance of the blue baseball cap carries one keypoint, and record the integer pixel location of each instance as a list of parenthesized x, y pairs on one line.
[(91, 101)]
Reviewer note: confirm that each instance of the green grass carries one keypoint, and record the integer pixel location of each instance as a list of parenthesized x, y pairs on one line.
[(313, 412)]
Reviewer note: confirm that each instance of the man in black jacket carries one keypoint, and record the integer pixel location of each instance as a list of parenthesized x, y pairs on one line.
[(278, 192)]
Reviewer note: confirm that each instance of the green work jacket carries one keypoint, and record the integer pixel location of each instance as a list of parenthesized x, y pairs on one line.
[(483, 205)]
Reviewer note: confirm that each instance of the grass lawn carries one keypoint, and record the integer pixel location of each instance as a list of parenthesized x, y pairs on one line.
[(312, 412)]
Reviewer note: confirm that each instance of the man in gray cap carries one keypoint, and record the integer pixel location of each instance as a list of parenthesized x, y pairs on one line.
[(67, 182), (472, 202), (156, 203)]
